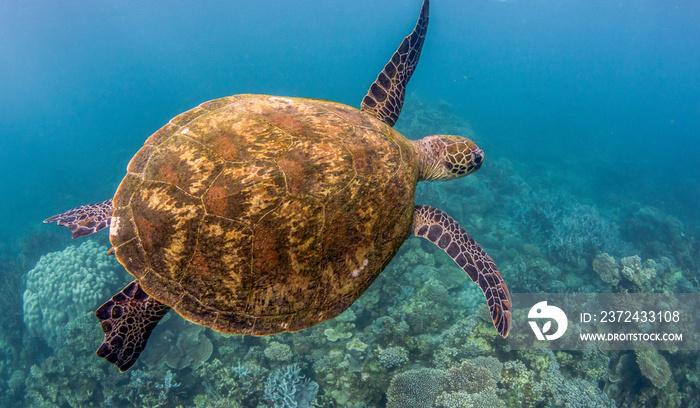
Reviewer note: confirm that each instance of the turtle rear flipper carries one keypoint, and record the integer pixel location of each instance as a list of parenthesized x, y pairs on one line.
[(442, 230), (86, 219), (384, 99), (127, 320)]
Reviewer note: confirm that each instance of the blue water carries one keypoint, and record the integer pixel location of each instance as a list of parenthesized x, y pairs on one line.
[(597, 99), (614, 86)]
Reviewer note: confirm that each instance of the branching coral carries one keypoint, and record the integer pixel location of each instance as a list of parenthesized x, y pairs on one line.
[(487, 398), (470, 378), (73, 377), (491, 364), (454, 400), (286, 388), (464, 386), (393, 357), (581, 232), (545, 382)]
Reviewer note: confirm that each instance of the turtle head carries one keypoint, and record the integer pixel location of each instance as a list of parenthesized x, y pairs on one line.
[(447, 157)]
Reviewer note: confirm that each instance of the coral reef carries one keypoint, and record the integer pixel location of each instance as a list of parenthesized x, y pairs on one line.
[(545, 381), (69, 378), (639, 274), (286, 388), (64, 285), (633, 275), (278, 351), (469, 378), (11, 328), (419, 336), (581, 233), (333, 335), (415, 388), (454, 400), (467, 385), (420, 312), (178, 344), (654, 367), (606, 267), (393, 357)]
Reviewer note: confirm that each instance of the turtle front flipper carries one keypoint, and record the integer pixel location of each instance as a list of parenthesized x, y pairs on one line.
[(440, 229), (384, 99), (127, 320), (86, 219)]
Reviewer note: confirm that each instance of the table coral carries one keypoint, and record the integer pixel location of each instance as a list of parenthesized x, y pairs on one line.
[(67, 284), (333, 335)]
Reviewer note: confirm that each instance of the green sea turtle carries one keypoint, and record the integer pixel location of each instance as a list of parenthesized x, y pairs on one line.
[(257, 214)]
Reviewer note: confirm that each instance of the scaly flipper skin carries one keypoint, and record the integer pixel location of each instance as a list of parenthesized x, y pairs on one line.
[(86, 219), (440, 229), (127, 321), (384, 99)]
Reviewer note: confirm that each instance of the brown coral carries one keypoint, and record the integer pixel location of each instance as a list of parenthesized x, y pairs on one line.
[(606, 267), (654, 367)]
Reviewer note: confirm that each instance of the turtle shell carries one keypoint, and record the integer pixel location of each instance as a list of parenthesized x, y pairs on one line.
[(257, 214)]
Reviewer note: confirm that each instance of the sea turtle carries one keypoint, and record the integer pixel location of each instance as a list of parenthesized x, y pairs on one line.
[(257, 214)]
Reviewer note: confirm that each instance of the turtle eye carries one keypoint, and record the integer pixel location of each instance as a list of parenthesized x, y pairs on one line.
[(477, 159)]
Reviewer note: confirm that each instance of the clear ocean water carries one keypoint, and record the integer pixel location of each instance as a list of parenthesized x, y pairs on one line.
[(588, 113)]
